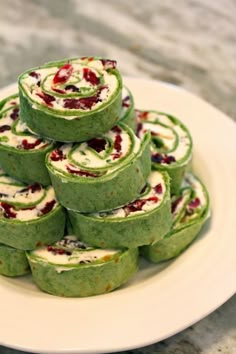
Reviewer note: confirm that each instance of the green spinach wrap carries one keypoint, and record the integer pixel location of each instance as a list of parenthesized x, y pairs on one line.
[(171, 144), (101, 173), (71, 100), (73, 269), (190, 210), (127, 114), (30, 215), (13, 262), (141, 222), (22, 154)]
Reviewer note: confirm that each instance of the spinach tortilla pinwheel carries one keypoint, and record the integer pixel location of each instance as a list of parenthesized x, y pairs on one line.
[(143, 221), (190, 210), (22, 154), (73, 269), (13, 262), (71, 100), (127, 114), (101, 173), (171, 144), (30, 216)]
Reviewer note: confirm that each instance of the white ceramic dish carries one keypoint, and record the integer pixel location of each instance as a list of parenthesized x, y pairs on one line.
[(162, 299)]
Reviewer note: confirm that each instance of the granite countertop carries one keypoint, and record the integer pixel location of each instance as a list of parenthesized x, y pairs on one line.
[(191, 44)]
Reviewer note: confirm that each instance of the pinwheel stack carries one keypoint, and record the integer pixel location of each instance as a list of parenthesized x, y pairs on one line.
[(88, 182)]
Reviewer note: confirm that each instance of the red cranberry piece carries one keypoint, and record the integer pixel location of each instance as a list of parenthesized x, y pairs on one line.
[(126, 102), (81, 103), (33, 188), (28, 146), (98, 144), (117, 143), (109, 64), (72, 88), (142, 115), (136, 205), (4, 128), (15, 113), (169, 159), (90, 76), (158, 188), (194, 203), (48, 99), (175, 204), (116, 129), (116, 155), (48, 207), (36, 187), (72, 103), (8, 213), (35, 75), (57, 155), (87, 58), (63, 74), (80, 172), (62, 92), (139, 128), (152, 199), (157, 158)]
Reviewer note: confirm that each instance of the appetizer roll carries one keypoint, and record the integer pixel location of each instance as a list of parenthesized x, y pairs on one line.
[(30, 216), (13, 262), (101, 173), (171, 144), (73, 269), (190, 210), (71, 100), (141, 222), (22, 154), (127, 114)]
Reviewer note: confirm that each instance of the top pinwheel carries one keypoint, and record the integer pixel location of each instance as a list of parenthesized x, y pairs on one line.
[(71, 100)]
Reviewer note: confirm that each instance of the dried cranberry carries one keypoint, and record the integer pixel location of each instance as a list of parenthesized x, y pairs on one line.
[(35, 187), (15, 113), (152, 199), (35, 75), (116, 129), (169, 159), (98, 144), (57, 155), (157, 157), (158, 188), (90, 76), (63, 74), (62, 92), (116, 155), (117, 143), (8, 213), (28, 146), (4, 128), (48, 207), (194, 203), (139, 128), (175, 203), (72, 103), (80, 172), (48, 99), (142, 115), (109, 64), (126, 102), (72, 88)]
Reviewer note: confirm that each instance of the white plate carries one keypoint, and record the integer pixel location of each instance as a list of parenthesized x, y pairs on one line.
[(161, 300)]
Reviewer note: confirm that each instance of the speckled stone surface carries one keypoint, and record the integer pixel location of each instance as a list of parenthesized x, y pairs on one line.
[(189, 43)]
